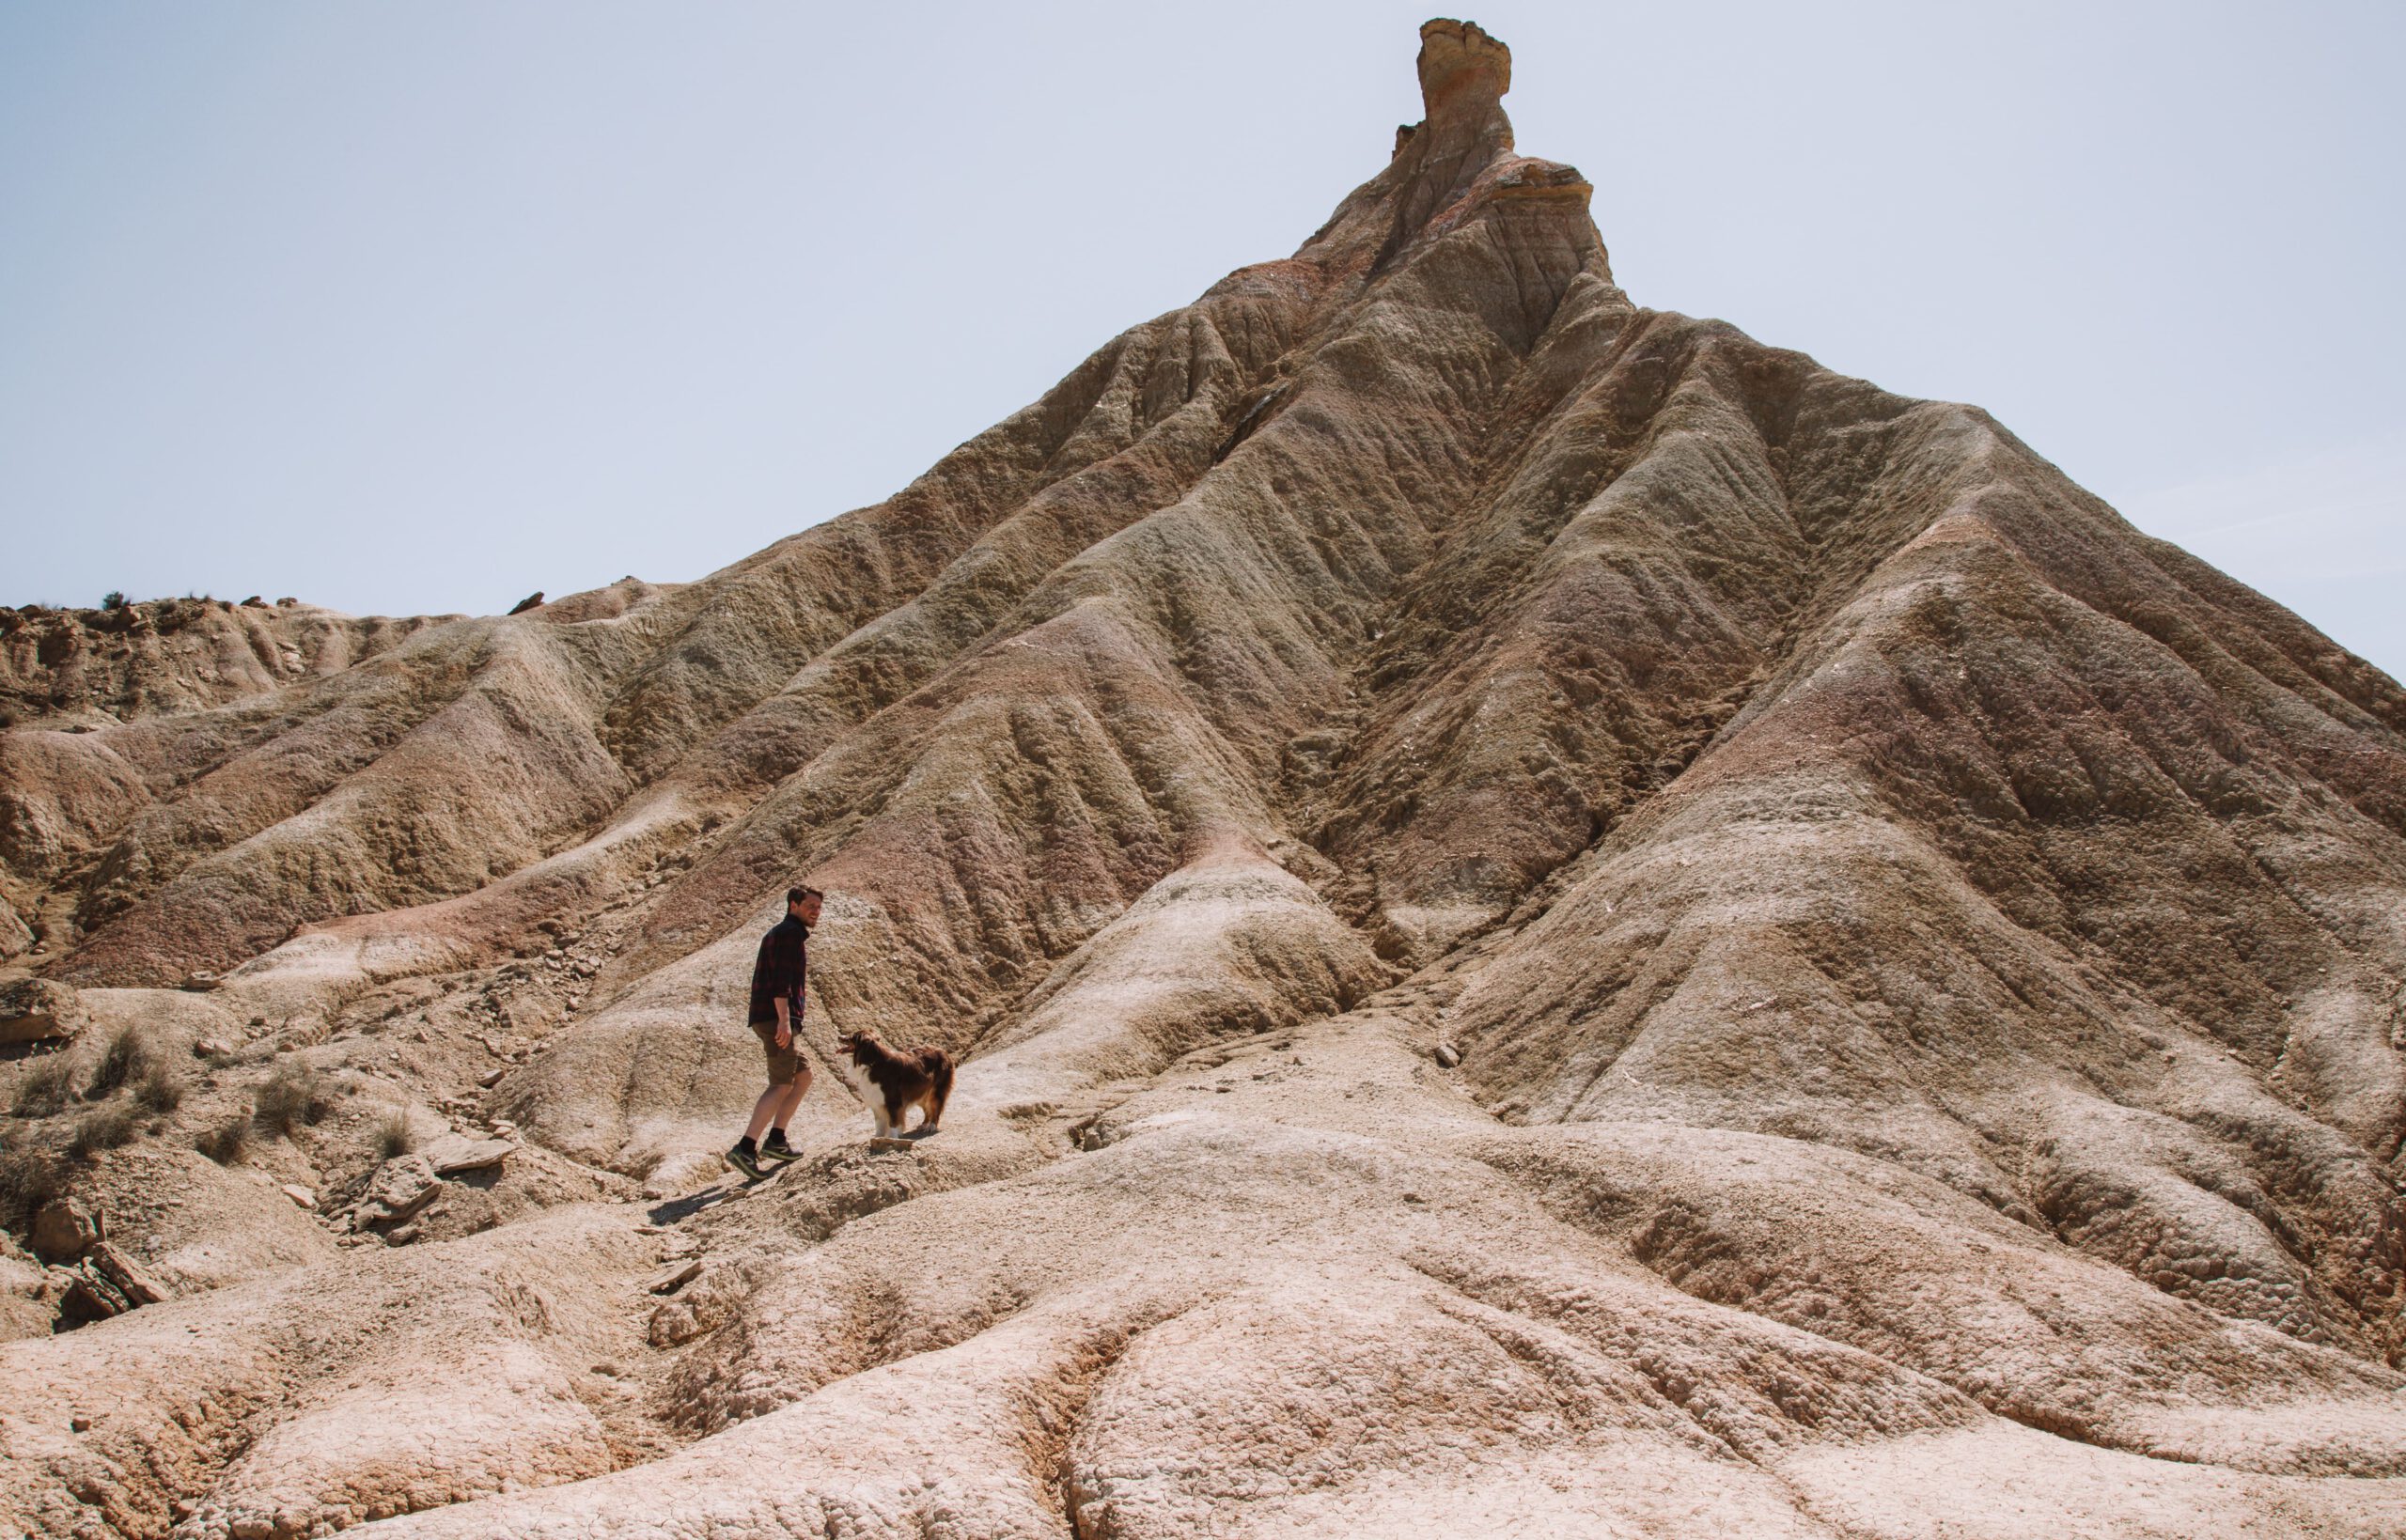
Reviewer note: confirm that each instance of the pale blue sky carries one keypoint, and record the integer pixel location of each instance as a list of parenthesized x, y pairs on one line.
[(409, 308)]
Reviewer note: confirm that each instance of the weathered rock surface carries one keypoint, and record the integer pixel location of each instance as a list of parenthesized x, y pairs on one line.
[(453, 1154), (83, 668), (400, 1188), (1557, 921), (64, 1229), (122, 1274), (38, 1010)]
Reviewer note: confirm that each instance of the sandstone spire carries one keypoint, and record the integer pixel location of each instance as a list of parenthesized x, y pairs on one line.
[(1464, 76)]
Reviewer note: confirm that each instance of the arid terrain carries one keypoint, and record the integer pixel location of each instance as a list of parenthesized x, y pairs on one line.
[(1557, 921)]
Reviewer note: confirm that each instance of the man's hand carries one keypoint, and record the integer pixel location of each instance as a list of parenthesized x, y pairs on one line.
[(785, 1025)]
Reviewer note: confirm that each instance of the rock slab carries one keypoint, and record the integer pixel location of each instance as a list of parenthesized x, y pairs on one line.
[(452, 1154), (400, 1188), (34, 1010)]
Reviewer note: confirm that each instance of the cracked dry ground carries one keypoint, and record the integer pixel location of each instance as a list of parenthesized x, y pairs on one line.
[(1554, 917)]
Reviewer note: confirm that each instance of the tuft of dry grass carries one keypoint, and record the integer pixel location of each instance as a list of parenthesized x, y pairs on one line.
[(396, 1134), (226, 1143), (28, 1180), (45, 1088), (104, 1128), (124, 1057), (295, 1095), (160, 1089)]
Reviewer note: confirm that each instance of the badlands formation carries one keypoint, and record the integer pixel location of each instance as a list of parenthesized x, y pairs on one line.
[(1558, 922)]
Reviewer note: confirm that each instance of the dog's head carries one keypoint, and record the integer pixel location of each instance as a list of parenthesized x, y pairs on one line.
[(863, 1045)]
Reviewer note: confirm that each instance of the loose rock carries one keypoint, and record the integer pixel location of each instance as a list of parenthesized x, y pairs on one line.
[(65, 1228), (120, 1271), (450, 1154), (35, 1010), (400, 1188)]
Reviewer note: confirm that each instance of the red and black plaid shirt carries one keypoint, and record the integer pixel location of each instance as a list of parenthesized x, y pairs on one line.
[(780, 968)]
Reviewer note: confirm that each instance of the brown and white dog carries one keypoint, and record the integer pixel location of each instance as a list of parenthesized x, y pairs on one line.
[(893, 1081)]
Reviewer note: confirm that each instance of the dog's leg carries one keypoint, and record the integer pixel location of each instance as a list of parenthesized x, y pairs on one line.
[(939, 1092)]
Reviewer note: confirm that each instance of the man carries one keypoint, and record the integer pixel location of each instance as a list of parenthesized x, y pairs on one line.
[(777, 976)]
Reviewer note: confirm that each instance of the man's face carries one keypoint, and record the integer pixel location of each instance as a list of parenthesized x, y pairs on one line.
[(808, 910)]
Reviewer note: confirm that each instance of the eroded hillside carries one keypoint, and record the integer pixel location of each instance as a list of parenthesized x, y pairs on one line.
[(1552, 917)]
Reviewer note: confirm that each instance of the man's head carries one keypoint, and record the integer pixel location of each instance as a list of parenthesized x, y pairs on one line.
[(803, 904)]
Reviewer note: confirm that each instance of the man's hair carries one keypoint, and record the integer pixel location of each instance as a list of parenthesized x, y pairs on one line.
[(795, 895)]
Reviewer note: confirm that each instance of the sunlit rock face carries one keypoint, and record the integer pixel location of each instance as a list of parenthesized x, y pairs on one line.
[(1555, 921)]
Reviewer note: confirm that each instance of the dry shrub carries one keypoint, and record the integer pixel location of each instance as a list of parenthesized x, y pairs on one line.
[(28, 1180), (396, 1134), (45, 1088), (104, 1130), (294, 1095), (226, 1143), (124, 1056), (160, 1089)]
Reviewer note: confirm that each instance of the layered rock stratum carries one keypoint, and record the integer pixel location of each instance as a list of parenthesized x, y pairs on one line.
[(1556, 921)]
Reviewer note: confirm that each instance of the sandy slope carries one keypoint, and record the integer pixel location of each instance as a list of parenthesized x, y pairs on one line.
[(1924, 960)]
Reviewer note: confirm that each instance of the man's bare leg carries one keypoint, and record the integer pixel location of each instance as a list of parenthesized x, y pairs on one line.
[(776, 1107), (788, 1104), (772, 1105)]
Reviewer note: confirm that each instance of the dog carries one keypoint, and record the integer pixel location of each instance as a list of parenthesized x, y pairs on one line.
[(894, 1081)]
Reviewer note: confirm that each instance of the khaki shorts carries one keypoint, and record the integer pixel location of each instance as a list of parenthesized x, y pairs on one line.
[(784, 1063)]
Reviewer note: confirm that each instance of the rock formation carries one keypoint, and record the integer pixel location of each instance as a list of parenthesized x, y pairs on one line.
[(1557, 921)]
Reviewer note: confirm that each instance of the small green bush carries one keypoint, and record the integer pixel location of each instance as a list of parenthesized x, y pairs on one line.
[(113, 599)]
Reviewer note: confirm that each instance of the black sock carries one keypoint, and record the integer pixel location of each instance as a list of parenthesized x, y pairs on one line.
[(746, 1144), (776, 1136)]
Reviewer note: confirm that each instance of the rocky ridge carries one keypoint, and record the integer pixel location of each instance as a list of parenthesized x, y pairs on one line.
[(1554, 916)]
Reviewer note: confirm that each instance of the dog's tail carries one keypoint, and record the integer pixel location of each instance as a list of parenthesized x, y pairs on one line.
[(940, 1071)]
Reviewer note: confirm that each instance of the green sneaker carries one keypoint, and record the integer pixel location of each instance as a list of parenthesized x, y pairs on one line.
[(745, 1161), (774, 1149)]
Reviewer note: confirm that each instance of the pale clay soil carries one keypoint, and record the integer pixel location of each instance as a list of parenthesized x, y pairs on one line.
[(1557, 923)]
